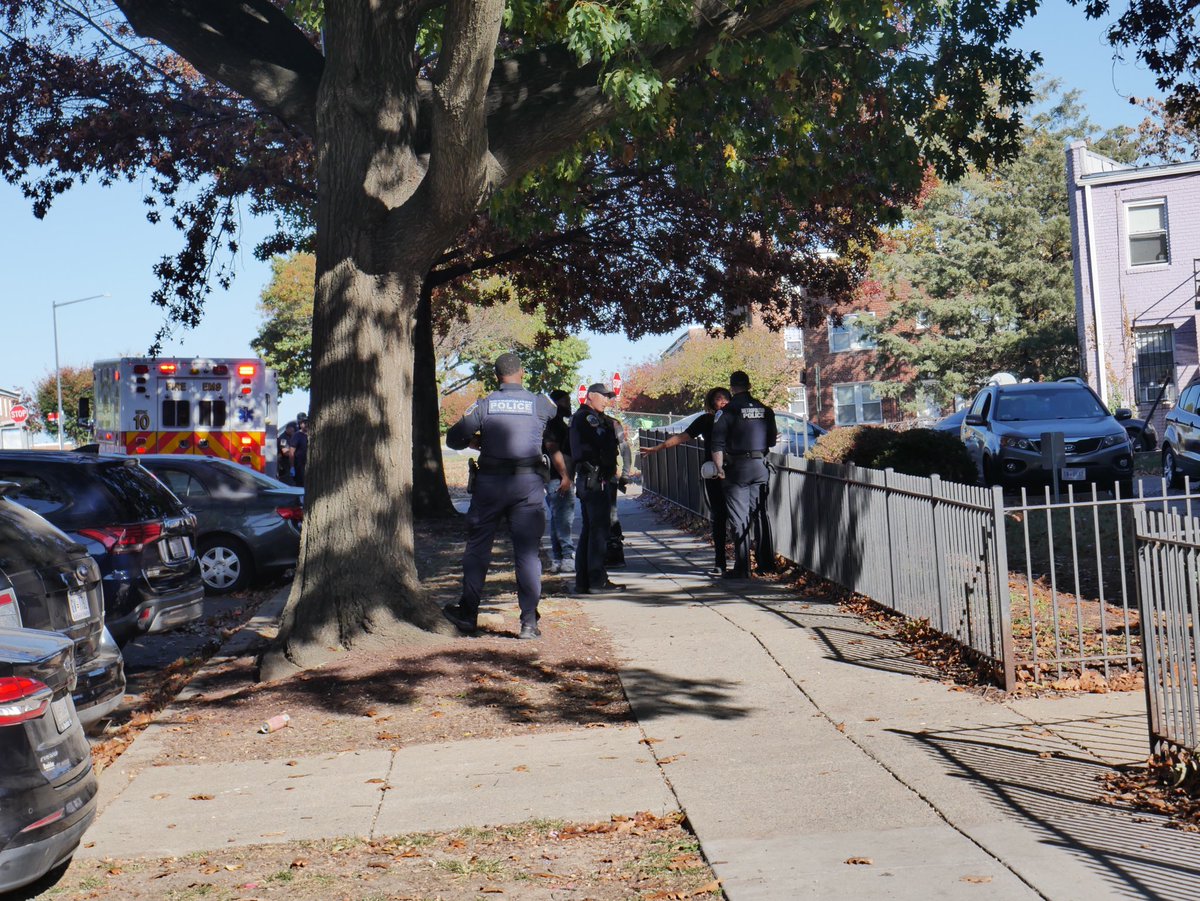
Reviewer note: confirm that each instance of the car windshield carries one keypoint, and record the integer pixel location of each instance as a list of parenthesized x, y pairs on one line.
[(1049, 403)]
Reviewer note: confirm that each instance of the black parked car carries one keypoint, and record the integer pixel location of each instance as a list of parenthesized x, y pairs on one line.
[(1003, 434), (247, 524), (137, 531), (47, 786), (48, 581)]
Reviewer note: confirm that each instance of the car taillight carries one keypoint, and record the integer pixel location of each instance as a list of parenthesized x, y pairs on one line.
[(22, 699), (46, 820), (291, 514), (124, 539), (10, 613)]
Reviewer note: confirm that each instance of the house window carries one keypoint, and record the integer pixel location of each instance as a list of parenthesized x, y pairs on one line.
[(856, 404), (1147, 233), (798, 401), (1154, 361), (928, 406), (852, 333), (793, 342)]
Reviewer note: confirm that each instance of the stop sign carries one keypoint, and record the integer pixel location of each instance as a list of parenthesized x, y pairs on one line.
[(617, 384), (19, 413), (582, 394)]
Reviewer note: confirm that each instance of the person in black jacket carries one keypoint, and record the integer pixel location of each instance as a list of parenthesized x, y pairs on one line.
[(560, 505), (594, 450), (702, 427), (743, 433), (511, 425)]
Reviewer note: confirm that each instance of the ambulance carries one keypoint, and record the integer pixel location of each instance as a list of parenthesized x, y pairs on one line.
[(224, 408)]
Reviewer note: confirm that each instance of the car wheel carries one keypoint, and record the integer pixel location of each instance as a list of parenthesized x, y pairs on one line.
[(1170, 466), (987, 472), (225, 563)]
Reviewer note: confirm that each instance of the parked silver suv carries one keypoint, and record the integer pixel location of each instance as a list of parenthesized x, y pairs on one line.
[(1181, 438), (1003, 430)]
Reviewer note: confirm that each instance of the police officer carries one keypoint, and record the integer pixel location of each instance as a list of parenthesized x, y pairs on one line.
[(511, 425), (594, 448), (743, 432)]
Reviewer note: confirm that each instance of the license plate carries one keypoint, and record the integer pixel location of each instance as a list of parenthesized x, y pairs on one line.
[(62, 713), (1074, 474), (80, 608), (175, 549)]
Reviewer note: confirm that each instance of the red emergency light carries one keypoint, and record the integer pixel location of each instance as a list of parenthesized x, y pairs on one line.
[(247, 369), (168, 368)]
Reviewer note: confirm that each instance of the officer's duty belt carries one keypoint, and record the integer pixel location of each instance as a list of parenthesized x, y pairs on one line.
[(749, 455), (510, 467)]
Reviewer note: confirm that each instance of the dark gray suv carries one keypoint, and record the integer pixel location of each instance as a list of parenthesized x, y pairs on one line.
[(1003, 433)]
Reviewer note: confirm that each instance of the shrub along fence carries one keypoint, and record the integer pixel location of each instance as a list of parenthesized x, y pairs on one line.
[(1037, 587)]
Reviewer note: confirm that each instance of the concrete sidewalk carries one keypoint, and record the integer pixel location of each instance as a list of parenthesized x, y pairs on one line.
[(796, 737), (809, 738)]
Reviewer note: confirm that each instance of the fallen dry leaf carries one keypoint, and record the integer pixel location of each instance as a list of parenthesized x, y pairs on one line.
[(521, 769), (671, 759), (841, 727), (977, 880), (201, 798), (859, 861), (299, 863)]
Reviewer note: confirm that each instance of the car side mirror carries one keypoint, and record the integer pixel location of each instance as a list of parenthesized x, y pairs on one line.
[(1123, 413), (974, 419)]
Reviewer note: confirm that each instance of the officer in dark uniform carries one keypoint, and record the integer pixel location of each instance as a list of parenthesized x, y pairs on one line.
[(594, 448), (511, 425), (743, 432)]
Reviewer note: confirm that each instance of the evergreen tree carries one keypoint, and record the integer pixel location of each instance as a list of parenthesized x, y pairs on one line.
[(980, 275)]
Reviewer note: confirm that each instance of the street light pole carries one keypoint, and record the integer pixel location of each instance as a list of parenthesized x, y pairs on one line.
[(58, 369)]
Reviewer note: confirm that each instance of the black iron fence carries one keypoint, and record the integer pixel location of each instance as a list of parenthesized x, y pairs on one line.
[(1168, 555), (1039, 587)]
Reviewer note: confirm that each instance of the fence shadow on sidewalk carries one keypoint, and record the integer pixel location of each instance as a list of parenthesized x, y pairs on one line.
[(1058, 798)]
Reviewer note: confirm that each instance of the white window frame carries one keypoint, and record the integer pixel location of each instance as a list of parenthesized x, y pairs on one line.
[(793, 342), (859, 417), (927, 403), (1164, 232), (853, 334), (798, 400)]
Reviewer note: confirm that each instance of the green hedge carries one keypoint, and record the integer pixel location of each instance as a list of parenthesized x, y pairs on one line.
[(918, 452)]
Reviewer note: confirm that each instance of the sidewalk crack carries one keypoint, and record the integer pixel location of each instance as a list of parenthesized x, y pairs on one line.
[(383, 793)]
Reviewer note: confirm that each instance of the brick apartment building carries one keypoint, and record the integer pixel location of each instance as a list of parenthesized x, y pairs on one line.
[(842, 370)]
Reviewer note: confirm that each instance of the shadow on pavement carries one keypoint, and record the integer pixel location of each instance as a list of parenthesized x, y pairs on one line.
[(1057, 798)]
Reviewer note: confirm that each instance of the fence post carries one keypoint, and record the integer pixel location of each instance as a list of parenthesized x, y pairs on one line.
[(935, 492), (891, 545), (1004, 597)]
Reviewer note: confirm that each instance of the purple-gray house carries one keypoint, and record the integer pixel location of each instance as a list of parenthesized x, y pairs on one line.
[(1135, 232)]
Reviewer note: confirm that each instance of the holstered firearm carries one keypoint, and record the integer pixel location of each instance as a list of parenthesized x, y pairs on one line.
[(472, 472)]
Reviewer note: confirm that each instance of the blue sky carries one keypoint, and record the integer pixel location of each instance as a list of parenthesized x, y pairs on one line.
[(96, 240)]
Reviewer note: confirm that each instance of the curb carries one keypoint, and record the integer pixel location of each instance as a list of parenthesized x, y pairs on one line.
[(145, 748)]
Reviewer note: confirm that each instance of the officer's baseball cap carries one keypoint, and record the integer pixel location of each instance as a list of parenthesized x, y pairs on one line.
[(601, 388)]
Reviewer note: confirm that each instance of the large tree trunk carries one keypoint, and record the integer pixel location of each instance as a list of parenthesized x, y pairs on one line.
[(431, 498), (357, 574)]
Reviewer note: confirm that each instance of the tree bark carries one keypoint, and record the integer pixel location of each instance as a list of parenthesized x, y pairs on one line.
[(357, 574), (431, 497)]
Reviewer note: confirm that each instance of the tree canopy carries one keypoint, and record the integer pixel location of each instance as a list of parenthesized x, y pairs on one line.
[(378, 140), (678, 383), (979, 276)]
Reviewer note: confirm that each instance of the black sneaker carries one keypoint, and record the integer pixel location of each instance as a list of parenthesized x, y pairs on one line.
[(461, 619), (529, 631), (716, 571)]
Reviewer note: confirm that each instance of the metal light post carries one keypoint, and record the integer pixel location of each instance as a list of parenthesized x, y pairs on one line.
[(58, 369)]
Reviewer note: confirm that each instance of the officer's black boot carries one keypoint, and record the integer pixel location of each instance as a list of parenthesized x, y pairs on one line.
[(464, 620), (529, 627)]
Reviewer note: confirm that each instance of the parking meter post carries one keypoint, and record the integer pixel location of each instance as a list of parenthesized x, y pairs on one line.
[(1054, 455)]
